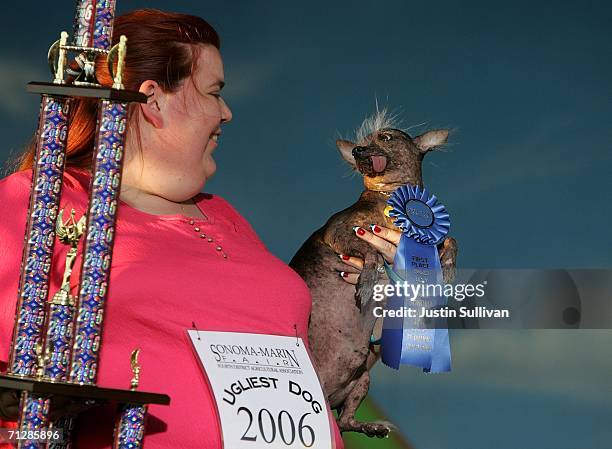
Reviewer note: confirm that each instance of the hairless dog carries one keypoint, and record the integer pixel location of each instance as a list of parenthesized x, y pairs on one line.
[(342, 318)]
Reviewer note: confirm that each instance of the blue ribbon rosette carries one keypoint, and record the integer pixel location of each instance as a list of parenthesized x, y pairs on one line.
[(408, 337)]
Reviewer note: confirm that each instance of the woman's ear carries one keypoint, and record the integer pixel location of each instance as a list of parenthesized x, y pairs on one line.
[(151, 109)]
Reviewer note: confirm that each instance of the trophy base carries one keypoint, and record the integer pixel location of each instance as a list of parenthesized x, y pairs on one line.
[(70, 399), (107, 93)]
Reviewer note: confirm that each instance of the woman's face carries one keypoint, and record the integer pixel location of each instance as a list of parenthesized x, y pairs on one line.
[(181, 131)]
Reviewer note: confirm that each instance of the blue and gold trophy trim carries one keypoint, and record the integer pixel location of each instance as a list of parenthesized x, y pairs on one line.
[(407, 338)]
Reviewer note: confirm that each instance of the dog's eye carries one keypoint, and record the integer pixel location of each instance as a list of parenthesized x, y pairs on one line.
[(385, 137)]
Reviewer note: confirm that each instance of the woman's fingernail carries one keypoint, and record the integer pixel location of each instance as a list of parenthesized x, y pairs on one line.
[(344, 257), (375, 228), (358, 230), (343, 274)]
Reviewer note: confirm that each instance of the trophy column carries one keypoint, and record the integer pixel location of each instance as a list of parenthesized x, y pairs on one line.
[(47, 177), (97, 257), (40, 234)]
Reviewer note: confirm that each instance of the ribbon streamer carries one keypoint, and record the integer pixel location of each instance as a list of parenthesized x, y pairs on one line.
[(408, 338)]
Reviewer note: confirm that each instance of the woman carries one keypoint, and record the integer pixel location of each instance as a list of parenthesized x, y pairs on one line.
[(181, 258)]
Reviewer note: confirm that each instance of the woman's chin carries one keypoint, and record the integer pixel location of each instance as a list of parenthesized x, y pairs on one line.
[(196, 182), (203, 180), (210, 167)]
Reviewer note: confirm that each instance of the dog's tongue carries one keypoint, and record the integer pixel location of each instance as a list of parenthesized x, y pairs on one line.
[(379, 163)]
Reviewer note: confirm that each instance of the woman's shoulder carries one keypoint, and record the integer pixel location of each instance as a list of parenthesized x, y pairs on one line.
[(14, 199), (15, 186), (18, 184), (218, 204), (220, 208), (15, 194)]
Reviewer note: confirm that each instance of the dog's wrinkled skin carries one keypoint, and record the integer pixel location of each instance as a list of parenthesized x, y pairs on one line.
[(342, 318)]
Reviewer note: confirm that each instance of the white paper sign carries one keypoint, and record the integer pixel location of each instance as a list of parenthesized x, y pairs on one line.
[(266, 389)]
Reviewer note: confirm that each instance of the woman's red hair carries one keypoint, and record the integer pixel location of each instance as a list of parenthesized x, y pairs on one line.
[(161, 47)]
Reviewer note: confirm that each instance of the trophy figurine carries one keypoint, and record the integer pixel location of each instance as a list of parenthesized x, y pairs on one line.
[(61, 309), (69, 233), (56, 344), (130, 428)]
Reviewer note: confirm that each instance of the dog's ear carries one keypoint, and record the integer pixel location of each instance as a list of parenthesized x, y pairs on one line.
[(431, 139), (346, 150)]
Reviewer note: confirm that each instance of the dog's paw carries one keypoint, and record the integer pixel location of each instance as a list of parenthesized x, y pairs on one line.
[(378, 430), (448, 259)]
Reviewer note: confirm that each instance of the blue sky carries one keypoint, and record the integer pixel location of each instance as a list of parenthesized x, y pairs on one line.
[(527, 89), (526, 86)]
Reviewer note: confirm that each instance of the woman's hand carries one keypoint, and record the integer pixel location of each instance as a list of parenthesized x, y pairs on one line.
[(385, 240), (61, 405), (9, 404)]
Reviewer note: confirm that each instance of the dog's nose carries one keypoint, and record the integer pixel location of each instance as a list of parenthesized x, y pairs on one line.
[(358, 151)]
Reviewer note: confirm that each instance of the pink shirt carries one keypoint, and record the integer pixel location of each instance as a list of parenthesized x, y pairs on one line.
[(164, 277)]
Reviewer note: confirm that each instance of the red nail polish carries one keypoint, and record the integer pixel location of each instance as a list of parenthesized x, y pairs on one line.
[(376, 229), (360, 231), (345, 257)]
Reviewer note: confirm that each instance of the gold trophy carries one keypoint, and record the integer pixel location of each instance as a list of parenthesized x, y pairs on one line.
[(56, 341), (69, 233), (54, 359)]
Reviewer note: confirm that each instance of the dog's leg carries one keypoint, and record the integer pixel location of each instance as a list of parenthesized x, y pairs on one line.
[(364, 293), (448, 259), (347, 421)]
